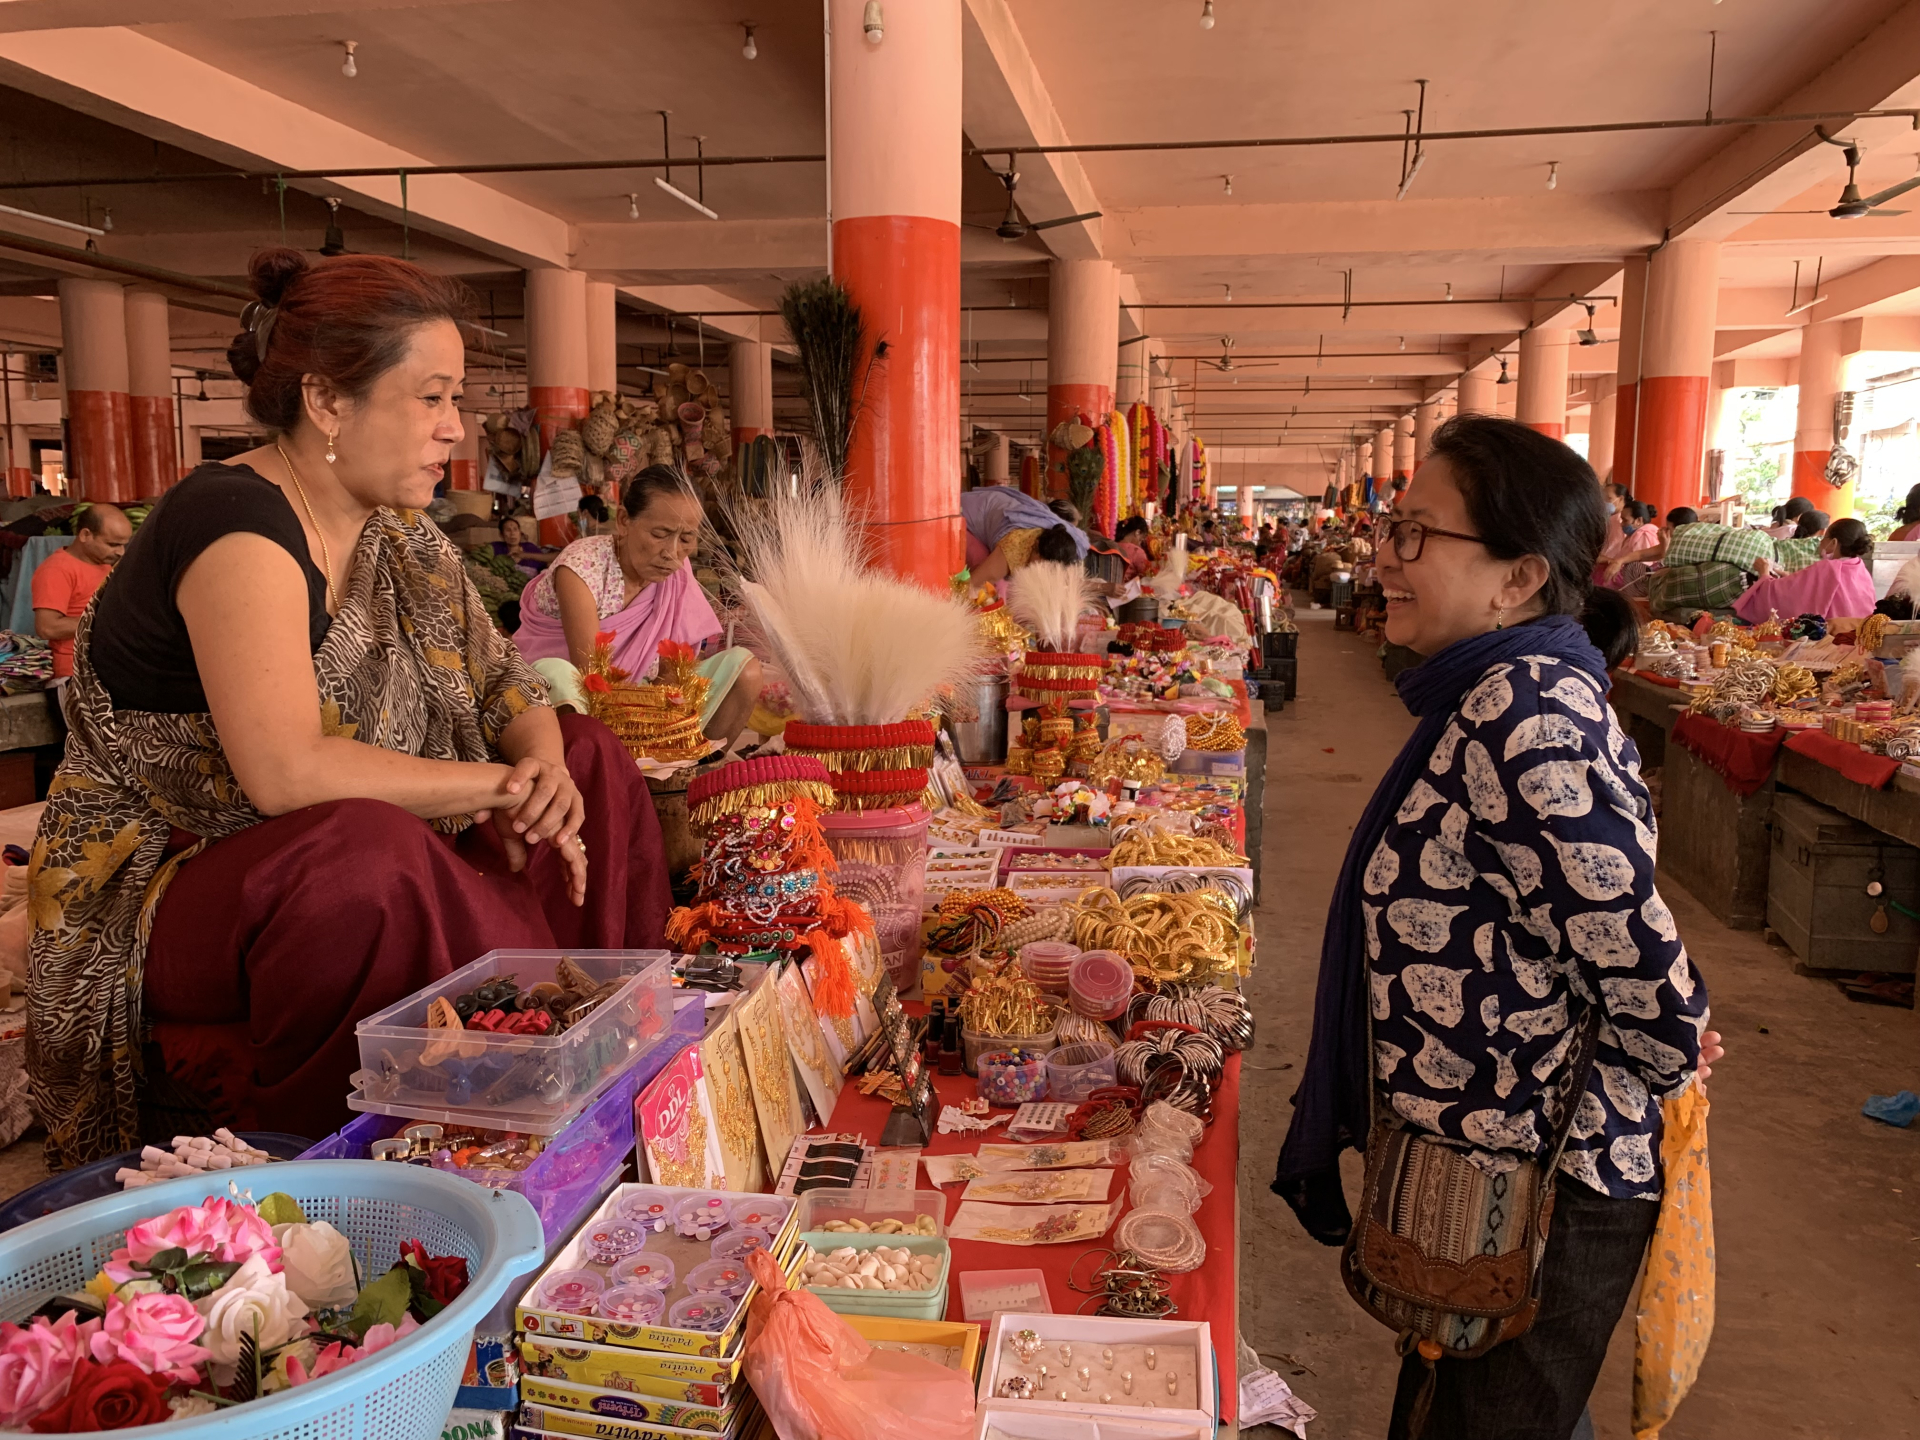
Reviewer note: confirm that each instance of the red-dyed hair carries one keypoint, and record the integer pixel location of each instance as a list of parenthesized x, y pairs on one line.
[(348, 319)]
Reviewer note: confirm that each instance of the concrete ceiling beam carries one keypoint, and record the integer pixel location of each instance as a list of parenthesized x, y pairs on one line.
[(1004, 101), (1851, 294), (1597, 278), (1729, 343), (1767, 166), (701, 302), (132, 80), (21, 15), (1564, 228)]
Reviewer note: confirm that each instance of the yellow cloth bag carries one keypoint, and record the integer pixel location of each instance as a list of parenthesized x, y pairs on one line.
[(1675, 1319)]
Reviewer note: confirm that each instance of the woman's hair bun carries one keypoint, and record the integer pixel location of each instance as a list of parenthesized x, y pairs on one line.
[(271, 271)]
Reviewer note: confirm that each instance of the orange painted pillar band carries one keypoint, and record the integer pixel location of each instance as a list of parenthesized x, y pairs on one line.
[(156, 465), (19, 482), (1810, 481), (1554, 430), (1071, 402), (903, 470), (463, 475), (1670, 428), (100, 465)]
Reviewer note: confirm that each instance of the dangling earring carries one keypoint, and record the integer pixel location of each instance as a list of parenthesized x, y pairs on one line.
[(1500, 618), (330, 455)]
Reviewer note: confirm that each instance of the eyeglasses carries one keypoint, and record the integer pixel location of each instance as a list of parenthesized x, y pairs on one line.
[(1409, 537)]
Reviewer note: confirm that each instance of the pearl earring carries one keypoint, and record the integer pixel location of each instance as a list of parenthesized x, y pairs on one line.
[(331, 457), (1500, 618)]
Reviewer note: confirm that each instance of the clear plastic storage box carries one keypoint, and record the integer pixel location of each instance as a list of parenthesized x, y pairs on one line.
[(528, 1083)]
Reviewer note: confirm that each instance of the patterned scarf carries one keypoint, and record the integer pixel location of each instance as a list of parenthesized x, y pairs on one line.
[(412, 664)]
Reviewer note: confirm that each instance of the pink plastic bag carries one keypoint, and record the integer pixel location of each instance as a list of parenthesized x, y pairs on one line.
[(819, 1380)]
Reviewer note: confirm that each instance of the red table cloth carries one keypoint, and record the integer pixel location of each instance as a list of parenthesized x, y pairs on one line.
[(1743, 760), (1872, 771), (1209, 1293)]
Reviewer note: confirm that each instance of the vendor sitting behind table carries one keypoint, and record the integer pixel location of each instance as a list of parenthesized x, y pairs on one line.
[(636, 583), (1705, 567), (306, 775), (1839, 582), (66, 580), (1005, 527), (1804, 548)]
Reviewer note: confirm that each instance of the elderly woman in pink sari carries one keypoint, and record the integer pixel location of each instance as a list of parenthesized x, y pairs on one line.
[(1838, 583), (638, 584)]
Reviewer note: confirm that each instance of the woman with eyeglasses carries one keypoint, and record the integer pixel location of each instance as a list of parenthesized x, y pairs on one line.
[(1497, 903)]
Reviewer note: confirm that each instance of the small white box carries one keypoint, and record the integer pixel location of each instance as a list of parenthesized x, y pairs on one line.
[(1093, 1332), (1044, 1424)]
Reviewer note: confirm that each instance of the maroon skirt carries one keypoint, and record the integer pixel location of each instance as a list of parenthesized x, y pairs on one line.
[(269, 945)]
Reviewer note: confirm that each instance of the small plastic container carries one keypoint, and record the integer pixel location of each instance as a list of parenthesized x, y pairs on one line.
[(609, 1243), (1046, 963), (648, 1208), (572, 1292), (1074, 1072), (649, 1268), (764, 1212), (986, 1293), (633, 1304), (720, 1277), (701, 1217), (740, 1242), (1099, 984), (709, 1313), (882, 857), (977, 1045), (1007, 1078), (916, 1213)]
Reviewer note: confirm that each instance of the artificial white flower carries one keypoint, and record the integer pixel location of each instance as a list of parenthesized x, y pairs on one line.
[(185, 1407), (254, 1301), (318, 1263)]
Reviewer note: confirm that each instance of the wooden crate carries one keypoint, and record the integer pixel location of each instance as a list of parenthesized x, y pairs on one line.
[(1817, 899), (1714, 842)]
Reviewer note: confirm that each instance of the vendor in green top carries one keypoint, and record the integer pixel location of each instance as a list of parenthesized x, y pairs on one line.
[(1705, 567)]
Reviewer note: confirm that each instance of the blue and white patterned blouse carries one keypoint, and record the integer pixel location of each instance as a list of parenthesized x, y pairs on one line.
[(1512, 889)]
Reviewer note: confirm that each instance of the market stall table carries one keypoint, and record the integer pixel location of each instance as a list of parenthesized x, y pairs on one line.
[(1210, 1293), (1646, 705)]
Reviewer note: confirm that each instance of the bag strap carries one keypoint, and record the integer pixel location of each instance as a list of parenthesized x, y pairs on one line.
[(1586, 1050)]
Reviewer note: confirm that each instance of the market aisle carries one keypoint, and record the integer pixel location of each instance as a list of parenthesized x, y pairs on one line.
[(1817, 1208)]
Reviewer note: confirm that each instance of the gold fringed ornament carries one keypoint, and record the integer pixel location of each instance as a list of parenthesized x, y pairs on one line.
[(658, 719), (870, 767)]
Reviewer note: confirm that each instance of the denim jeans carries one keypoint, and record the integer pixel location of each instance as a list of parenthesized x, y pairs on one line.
[(1536, 1387)]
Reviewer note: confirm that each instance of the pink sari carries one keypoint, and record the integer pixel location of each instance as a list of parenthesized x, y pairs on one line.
[(1832, 588), (673, 609)]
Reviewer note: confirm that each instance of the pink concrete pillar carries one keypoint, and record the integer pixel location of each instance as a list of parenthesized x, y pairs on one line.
[(750, 390), (1822, 352), (1403, 448), (894, 149), (93, 370), (1600, 426), (1426, 419), (603, 358), (1476, 393), (1381, 468), (156, 455), (996, 466), (1131, 375), (1083, 331), (463, 472), (1541, 399), (1676, 349), (557, 367), (1626, 395)]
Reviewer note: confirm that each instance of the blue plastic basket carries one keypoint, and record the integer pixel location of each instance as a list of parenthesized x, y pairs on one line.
[(402, 1393)]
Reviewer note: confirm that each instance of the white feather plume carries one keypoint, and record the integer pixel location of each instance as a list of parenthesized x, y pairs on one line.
[(1047, 598), (1166, 584), (857, 645)]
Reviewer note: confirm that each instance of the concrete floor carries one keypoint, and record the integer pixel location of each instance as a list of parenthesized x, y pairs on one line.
[(1817, 1212)]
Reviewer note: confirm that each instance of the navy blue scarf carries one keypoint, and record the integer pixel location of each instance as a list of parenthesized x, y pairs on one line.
[(1330, 1109)]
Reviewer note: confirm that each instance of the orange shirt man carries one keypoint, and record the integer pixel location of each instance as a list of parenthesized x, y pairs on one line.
[(66, 579)]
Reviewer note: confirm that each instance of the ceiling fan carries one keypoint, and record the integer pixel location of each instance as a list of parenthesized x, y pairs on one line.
[(1852, 205), (1226, 364), (1014, 225)]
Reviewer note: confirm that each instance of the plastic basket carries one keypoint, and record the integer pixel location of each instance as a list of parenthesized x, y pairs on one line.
[(400, 1393)]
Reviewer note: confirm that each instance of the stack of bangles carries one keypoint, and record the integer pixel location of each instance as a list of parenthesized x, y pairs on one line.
[(1166, 937), (1164, 1239), (1106, 1114), (1172, 1062)]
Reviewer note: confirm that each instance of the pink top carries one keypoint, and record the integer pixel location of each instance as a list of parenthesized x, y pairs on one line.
[(673, 609), (1832, 588)]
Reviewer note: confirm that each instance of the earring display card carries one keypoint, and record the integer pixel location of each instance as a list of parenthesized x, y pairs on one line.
[(825, 1162), (1070, 1156), (776, 1097), (1153, 1352), (733, 1110), (677, 1126), (1040, 1187), (1005, 1423), (807, 1041), (1031, 1224), (985, 1293)]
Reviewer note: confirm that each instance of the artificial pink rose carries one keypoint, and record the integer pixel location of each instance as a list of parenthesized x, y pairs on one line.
[(241, 1234), (217, 1229), (378, 1337), (155, 1332), (36, 1366)]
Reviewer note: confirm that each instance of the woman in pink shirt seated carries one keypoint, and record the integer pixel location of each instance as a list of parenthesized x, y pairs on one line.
[(1637, 532), (1838, 583)]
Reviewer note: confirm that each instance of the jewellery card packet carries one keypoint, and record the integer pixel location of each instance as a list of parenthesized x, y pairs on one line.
[(519, 1040), (1032, 1224), (678, 1132), (953, 868), (608, 1422), (825, 1162), (660, 1269), (1101, 1365)]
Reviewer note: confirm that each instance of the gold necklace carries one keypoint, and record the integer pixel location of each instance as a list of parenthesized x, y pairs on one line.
[(326, 555)]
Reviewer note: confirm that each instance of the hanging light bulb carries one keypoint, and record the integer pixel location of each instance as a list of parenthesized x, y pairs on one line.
[(1206, 15), (874, 23), (750, 50), (1229, 294), (106, 221), (201, 376), (1229, 180), (633, 207), (1553, 175), (1403, 342), (1504, 378), (1449, 290), (349, 67)]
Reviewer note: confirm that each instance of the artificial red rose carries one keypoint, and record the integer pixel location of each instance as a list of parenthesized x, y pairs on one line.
[(106, 1397), (446, 1274), (596, 683)]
